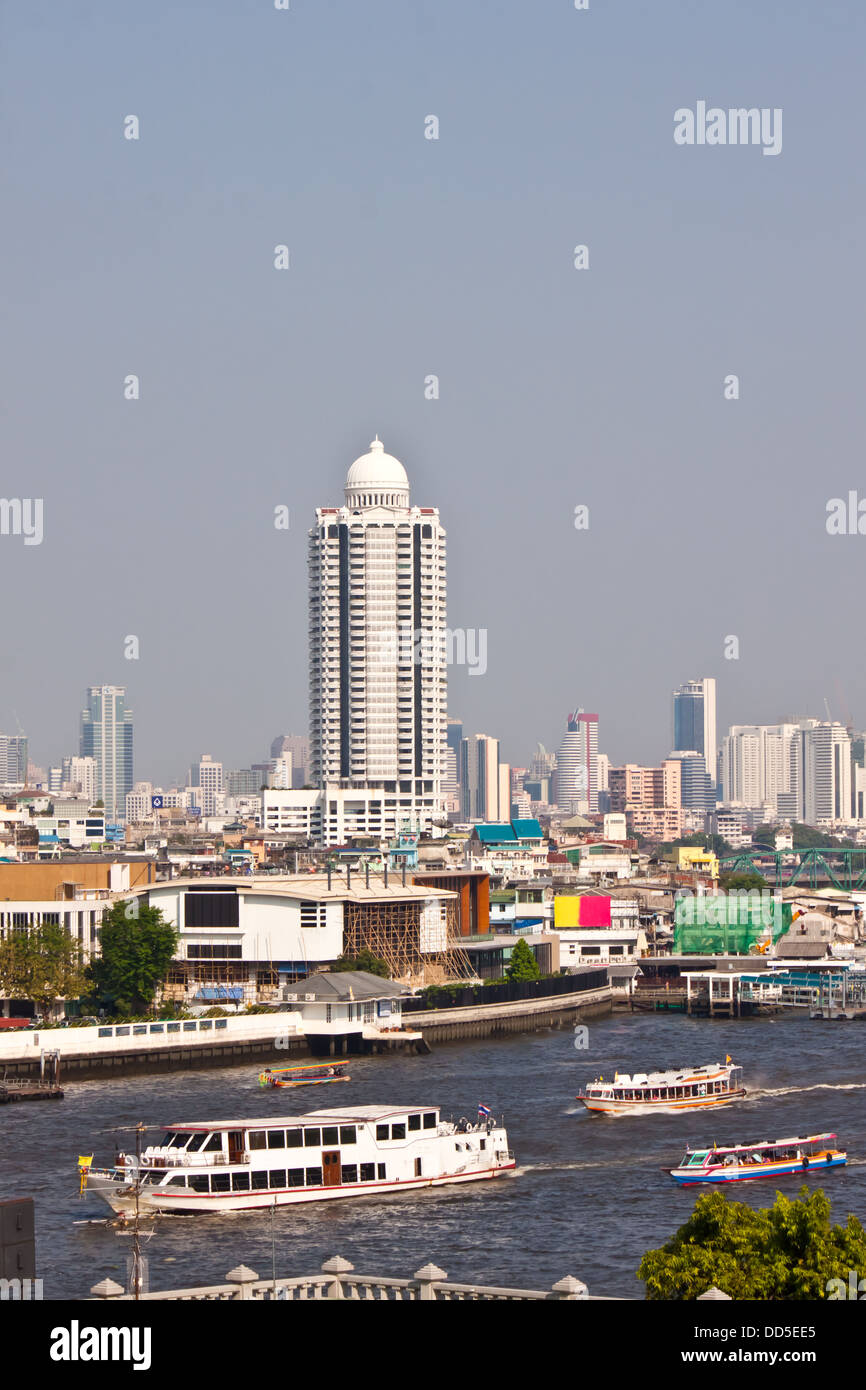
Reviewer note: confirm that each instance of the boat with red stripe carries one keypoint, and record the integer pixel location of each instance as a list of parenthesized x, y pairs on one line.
[(771, 1158)]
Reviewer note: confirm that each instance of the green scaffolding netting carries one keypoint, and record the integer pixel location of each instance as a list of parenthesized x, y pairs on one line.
[(706, 926)]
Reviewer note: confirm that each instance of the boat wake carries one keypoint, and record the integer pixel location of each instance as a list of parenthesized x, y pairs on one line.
[(800, 1090)]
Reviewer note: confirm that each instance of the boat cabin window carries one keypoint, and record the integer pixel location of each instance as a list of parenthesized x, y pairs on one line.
[(430, 1120), (398, 1131), (414, 1122), (368, 1172), (314, 1177), (383, 1131), (697, 1160), (312, 1138), (276, 1138), (195, 1143), (214, 1142), (258, 1139), (240, 1182), (220, 1182), (348, 1134), (349, 1172), (277, 1177), (295, 1177), (173, 1140), (199, 1182), (330, 1135), (177, 1180), (294, 1138)]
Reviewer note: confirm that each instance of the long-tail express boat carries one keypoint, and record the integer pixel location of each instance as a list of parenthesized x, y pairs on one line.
[(304, 1076)]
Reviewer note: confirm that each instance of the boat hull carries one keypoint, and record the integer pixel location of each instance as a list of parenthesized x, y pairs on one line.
[(120, 1194), (753, 1172), (320, 1081), (643, 1107)]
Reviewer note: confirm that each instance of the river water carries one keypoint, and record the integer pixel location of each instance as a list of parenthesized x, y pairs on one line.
[(588, 1198)]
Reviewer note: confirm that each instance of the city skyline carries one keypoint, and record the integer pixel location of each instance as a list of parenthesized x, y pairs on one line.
[(432, 296)]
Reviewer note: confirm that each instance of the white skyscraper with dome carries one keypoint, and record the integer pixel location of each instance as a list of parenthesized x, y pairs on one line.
[(378, 672)]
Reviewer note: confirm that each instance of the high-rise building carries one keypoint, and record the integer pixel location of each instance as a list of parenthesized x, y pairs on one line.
[(298, 745), (107, 737), (825, 773), (79, 775), (378, 671), (13, 759), (757, 766), (695, 720), (577, 765), (481, 785), (207, 775), (697, 787)]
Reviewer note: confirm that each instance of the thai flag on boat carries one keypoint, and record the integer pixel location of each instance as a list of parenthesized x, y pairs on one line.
[(483, 1110)]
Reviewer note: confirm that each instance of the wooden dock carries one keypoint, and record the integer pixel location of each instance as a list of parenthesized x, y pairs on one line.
[(20, 1088)]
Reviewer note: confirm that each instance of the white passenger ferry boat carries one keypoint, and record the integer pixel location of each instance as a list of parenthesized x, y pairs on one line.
[(233, 1165), (689, 1088)]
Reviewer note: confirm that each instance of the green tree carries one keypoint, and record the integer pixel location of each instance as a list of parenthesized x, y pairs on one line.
[(787, 1251), (42, 964), (364, 960), (136, 950), (744, 879), (522, 965)]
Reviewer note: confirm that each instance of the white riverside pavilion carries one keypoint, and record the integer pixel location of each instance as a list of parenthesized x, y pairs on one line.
[(378, 671)]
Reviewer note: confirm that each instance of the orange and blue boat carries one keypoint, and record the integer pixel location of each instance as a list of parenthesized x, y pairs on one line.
[(771, 1158), (317, 1075)]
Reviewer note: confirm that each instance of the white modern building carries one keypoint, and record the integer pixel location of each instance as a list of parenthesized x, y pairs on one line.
[(757, 763), (79, 774), (577, 766), (378, 674)]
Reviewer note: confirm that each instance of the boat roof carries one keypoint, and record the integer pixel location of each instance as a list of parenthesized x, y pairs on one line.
[(764, 1144), (662, 1078), (343, 1115)]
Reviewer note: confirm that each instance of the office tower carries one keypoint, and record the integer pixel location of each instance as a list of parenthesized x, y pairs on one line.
[(79, 775), (13, 759), (695, 720), (577, 765), (453, 739), (298, 745), (243, 781), (540, 775), (697, 787), (480, 785), (450, 783), (377, 597), (207, 775), (281, 772), (107, 737)]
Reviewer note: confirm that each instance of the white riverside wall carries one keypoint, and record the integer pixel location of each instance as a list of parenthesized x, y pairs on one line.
[(116, 1039)]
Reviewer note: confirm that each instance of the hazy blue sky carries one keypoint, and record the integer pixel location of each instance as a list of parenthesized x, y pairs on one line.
[(410, 256)]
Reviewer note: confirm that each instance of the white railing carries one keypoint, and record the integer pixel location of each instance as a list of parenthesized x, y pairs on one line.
[(338, 1280)]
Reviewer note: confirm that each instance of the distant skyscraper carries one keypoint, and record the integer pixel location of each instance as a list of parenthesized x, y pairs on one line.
[(697, 787), (107, 736), (208, 777), (481, 786), (80, 773), (13, 759), (378, 644), (695, 720), (577, 765), (298, 745)]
